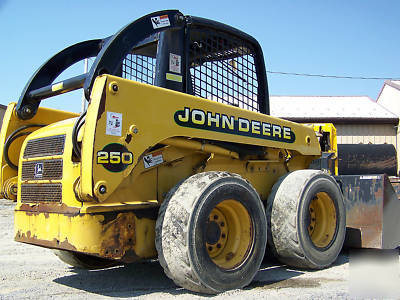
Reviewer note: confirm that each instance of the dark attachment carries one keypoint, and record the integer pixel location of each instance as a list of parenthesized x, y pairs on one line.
[(356, 159)]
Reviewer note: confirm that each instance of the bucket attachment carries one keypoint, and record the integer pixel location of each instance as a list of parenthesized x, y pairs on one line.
[(357, 159), (372, 210)]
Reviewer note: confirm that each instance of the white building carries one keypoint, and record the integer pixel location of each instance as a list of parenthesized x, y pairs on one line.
[(389, 97), (358, 119)]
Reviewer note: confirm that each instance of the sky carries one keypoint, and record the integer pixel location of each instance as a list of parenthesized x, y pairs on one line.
[(356, 38)]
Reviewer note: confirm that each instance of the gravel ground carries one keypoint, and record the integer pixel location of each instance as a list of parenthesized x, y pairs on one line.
[(32, 272)]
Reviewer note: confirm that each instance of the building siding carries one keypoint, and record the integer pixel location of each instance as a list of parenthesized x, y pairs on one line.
[(366, 133)]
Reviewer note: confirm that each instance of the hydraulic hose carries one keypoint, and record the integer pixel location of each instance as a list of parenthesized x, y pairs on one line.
[(12, 137), (77, 126)]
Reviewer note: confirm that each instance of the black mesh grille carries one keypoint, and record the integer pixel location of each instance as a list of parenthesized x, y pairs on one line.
[(140, 68), (53, 145), (51, 169), (222, 69), (49, 192)]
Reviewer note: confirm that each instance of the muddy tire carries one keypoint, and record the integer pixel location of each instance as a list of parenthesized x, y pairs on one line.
[(84, 261), (211, 233), (306, 219)]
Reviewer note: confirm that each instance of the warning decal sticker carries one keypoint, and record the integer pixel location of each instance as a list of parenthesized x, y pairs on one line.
[(160, 21), (153, 159), (114, 123), (175, 63)]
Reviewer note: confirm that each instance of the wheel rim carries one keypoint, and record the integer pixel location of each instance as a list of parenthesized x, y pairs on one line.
[(229, 234), (322, 225)]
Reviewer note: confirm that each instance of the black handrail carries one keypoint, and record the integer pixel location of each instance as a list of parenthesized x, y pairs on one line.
[(58, 88), (26, 107)]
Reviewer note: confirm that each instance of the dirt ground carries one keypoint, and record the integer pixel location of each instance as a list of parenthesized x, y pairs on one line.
[(29, 272)]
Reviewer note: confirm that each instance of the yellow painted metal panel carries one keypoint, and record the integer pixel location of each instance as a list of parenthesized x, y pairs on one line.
[(149, 115), (121, 236), (70, 169), (11, 122)]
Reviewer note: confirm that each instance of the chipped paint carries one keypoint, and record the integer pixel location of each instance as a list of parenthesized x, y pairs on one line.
[(118, 236), (38, 208)]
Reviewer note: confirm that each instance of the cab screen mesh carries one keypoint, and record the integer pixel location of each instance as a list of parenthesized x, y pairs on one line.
[(222, 69), (140, 68)]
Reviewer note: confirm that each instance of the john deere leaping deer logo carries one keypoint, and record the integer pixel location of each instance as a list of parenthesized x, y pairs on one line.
[(38, 170)]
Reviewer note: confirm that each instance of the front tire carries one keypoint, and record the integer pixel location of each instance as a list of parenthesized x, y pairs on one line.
[(83, 261), (211, 233), (307, 219)]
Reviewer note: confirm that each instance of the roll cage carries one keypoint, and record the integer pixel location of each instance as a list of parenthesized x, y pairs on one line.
[(166, 49)]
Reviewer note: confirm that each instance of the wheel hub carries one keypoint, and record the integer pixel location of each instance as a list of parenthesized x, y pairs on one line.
[(216, 233), (213, 233), (322, 220), (229, 234)]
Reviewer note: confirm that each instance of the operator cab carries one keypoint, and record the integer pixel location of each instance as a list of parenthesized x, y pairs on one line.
[(204, 62), (187, 54)]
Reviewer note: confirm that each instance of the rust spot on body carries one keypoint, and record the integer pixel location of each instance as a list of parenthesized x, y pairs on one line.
[(39, 208), (54, 244), (122, 238)]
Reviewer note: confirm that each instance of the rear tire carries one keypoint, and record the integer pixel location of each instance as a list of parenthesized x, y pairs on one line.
[(306, 219), (211, 233), (83, 261)]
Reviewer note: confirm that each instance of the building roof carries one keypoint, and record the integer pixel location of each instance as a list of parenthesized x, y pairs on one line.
[(393, 83), (334, 109)]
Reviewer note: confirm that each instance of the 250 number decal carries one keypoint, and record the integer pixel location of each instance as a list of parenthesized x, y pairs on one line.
[(115, 157)]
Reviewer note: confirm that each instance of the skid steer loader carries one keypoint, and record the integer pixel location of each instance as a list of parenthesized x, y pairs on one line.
[(176, 157)]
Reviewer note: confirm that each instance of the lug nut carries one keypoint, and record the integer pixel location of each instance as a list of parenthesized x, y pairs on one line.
[(113, 87), (133, 129), (102, 189), (14, 190)]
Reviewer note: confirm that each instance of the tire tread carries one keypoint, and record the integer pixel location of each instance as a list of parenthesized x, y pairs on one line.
[(281, 211)]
